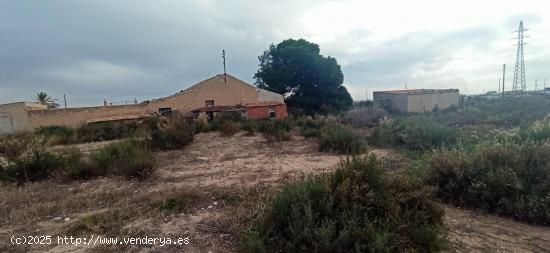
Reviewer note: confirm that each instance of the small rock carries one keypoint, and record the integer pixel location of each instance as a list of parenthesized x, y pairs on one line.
[(209, 207), (215, 203), (57, 218), (67, 219)]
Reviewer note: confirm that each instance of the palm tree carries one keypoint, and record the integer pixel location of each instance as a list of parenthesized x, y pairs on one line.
[(44, 99)]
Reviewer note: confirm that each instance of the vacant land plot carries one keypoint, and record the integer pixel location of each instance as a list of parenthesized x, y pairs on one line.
[(205, 192)]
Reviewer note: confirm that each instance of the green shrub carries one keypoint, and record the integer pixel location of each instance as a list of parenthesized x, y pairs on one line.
[(58, 135), (74, 167), (364, 116), (13, 146), (107, 131), (508, 179), (172, 133), (223, 117), (251, 242), (229, 128), (275, 130), (341, 139), (311, 133), (38, 165), (355, 209), (129, 158), (201, 126), (250, 126), (418, 133)]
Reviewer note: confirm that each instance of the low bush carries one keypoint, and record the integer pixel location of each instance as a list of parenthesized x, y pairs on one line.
[(355, 209), (74, 167), (173, 132), (28, 160), (129, 158), (250, 126), (275, 130), (58, 135), (416, 133), (364, 116), (341, 139), (422, 134), (221, 117), (201, 126), (229, 128), (107, 131), (311, 133), (507, 179)]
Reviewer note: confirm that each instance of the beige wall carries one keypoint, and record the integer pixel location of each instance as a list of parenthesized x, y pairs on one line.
[(78, 116), (232, 92), (398, 101), (14, 116), (423, 102), (428, 102)]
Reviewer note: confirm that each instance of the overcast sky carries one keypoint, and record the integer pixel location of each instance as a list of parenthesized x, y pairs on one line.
[(120, 50)]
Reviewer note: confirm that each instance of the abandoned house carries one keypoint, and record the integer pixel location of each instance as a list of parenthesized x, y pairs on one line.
[(219, 93), (418, 100)]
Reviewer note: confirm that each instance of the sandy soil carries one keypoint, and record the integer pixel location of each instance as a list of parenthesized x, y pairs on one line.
[(212, 161), (474, 231), (220, 171)]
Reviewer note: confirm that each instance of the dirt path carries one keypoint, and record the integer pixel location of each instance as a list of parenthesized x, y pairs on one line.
[(473, 231)]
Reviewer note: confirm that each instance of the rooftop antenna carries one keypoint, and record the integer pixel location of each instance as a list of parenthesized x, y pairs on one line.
[(224, 73), (519, 70)]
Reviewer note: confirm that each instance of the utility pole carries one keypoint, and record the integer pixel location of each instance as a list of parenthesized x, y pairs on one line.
[(366, 94), (503, 77), (519, 70), (65, 100), (536, 84), (224, 73), (498, 85)]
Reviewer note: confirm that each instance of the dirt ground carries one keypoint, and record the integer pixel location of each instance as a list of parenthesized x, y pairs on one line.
[(220, 179)]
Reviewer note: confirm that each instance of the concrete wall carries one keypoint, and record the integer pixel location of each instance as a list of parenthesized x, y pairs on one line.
[(78, 116), (396, 101), (417, 101), (428, 102), (14, 116)]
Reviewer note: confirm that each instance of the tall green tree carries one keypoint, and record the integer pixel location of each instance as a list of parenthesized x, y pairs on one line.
[(310, 82), (44, 99)]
